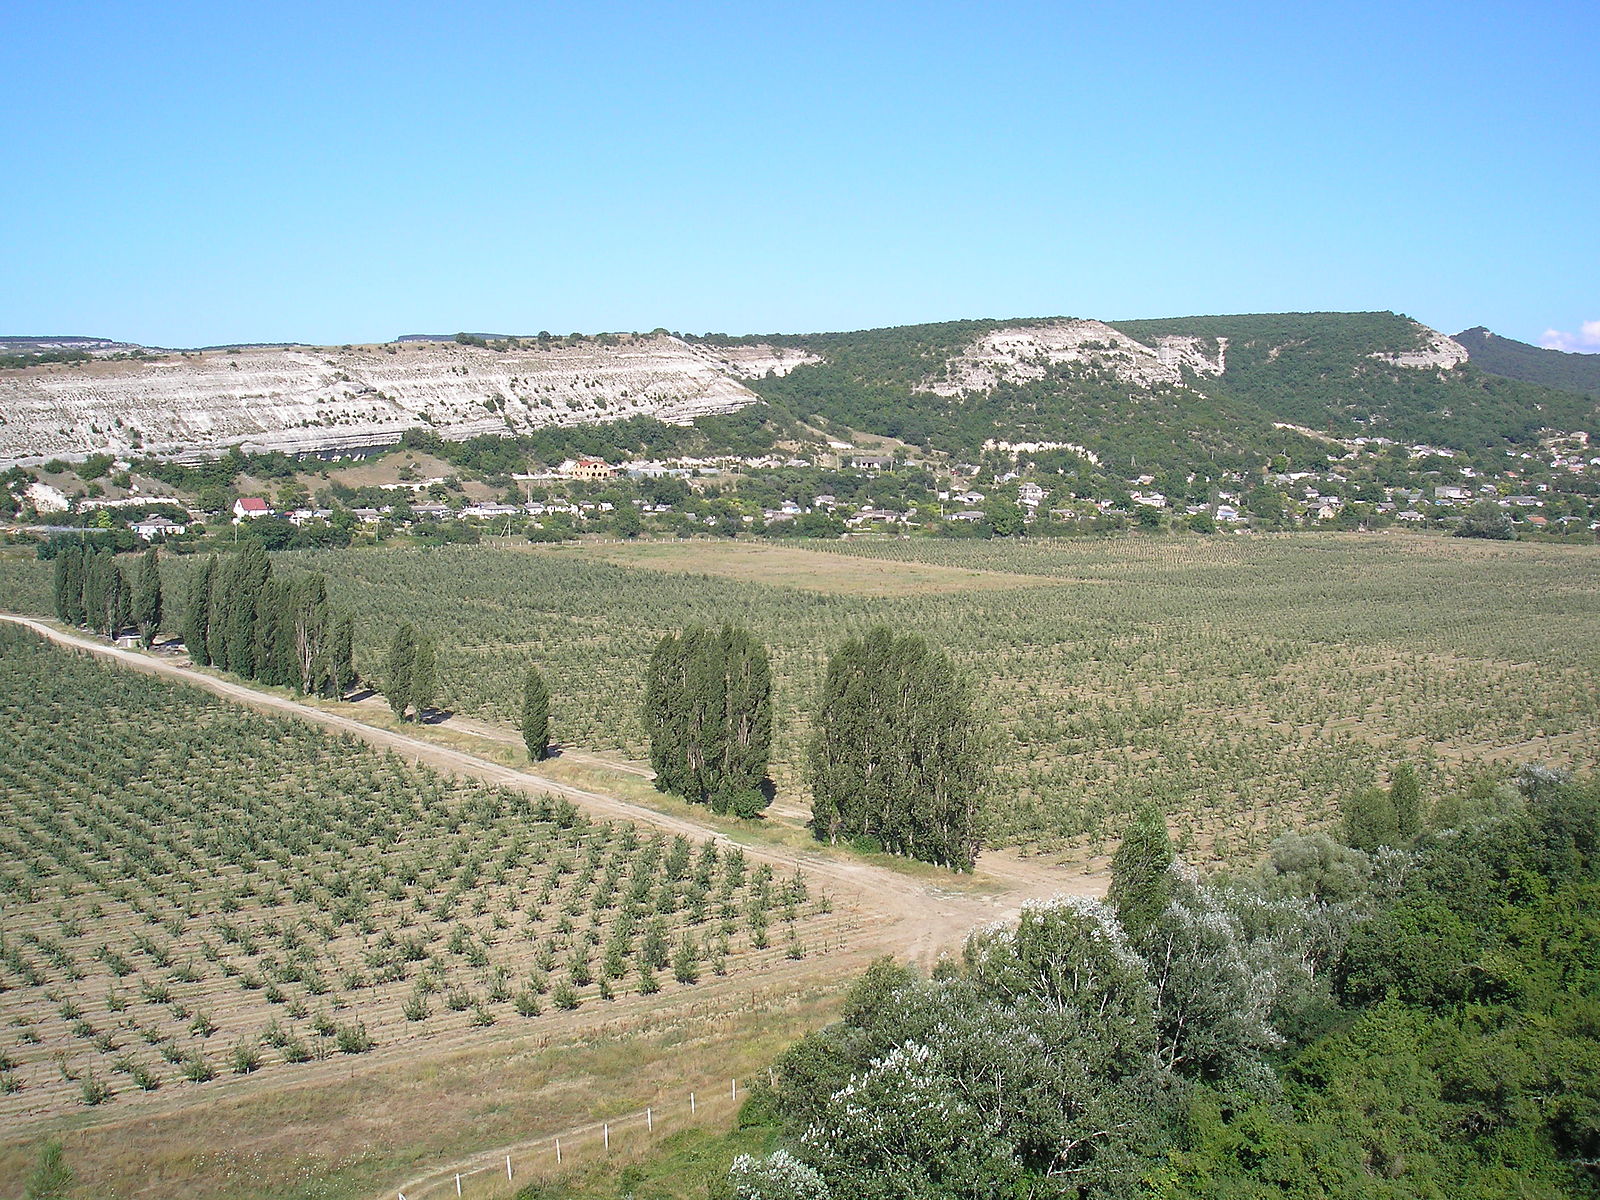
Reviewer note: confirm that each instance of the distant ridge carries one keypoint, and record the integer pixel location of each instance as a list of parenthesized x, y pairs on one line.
[(1560, 369)]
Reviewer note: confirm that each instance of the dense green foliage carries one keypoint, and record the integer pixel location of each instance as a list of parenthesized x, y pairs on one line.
[(1498, 355), (707, 711), (1334, 1024), (898, 755), (1320, 370), (536, 715)]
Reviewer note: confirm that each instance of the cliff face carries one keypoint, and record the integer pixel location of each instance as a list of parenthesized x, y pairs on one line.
[(1020, 354), (305, 398)]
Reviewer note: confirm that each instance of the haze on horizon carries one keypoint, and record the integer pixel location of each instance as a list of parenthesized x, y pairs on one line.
[(188, 175)]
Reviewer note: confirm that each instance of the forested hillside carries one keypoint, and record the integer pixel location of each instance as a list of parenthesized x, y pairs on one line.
[(1498, 355), (1343, 374)]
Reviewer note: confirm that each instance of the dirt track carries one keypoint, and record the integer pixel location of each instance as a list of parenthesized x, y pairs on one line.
[(900, 914)]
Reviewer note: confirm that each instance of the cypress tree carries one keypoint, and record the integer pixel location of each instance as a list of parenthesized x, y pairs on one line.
[(197, 613), (424, 675), (1368, 820), (398, 668), (536, 715), (1141, 880), (1405, 798), (147, 597)]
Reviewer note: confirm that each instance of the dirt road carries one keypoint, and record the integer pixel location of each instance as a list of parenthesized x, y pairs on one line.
[(916, 918)]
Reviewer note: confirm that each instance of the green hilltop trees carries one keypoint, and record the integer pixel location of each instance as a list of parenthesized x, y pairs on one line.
[(708, 712), (898, 756)]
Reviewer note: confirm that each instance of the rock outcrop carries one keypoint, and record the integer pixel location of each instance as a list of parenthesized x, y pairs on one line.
[(1018, 354), (325, 398)]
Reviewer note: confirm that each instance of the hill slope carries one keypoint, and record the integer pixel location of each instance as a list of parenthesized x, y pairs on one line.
[(1559, 369), (1171, 392)]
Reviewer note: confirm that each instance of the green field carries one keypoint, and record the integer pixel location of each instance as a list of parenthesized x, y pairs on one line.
[(1242, 684), (191, 891)]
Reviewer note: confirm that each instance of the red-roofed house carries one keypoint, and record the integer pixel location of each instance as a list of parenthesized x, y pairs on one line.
[(250, 506)]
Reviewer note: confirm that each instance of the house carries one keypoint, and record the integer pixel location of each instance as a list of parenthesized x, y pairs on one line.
[(587, 468), (1450, 494), (489, 511), (304, 516), (153, 527), (367, 516), (871, 462), (1410, 514), (250, 507), (1228, 513), (1030, 494)]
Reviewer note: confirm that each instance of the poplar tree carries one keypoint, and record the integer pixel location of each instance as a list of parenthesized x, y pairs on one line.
[(398, 668), (898, 755), (95, 582), (197, 613), (69, 584), (342, 667), (147, 597), (73, 588), (707, 709), (536, 715), (424, 675), (1141, 879)]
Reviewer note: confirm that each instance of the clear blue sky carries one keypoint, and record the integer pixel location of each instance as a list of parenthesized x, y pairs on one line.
[(181, 174)]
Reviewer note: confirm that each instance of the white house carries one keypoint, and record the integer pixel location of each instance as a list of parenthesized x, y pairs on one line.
[(250, 507), (153, 527)]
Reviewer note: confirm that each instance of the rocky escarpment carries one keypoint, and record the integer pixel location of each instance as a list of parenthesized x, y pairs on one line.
[(324, 398), (1020, 354)]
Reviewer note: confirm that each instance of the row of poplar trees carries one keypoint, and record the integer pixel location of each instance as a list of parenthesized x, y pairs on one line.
[(91, 590), (280, 630), (708, 712), (898, 755), (897, 759)]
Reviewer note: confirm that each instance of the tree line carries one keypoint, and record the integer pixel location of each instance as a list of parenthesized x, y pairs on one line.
[(897, 762), (93, 591)]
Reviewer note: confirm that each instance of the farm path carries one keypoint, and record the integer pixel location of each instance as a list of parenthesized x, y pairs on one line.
[(915, 914), (909, 915)]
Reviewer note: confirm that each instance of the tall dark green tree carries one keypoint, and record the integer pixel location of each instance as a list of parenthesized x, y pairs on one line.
[(197, 613), (69, 585), (1141, 880), (424, 675), (147, 596), (310, 631), (342, 665), (1405, 799), (708, 711), (398, 668), (898, 754), (1367, 820), (536, 715), (237, 609)]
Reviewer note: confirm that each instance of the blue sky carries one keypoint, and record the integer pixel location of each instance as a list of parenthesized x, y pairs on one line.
[(182, 174)]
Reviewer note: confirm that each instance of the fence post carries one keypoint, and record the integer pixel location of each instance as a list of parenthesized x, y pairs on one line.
[(558, 1152), (649, 1120), (734, 1087), (458, 1183), (691, 1113), (508, 1168), (606, 1129)]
